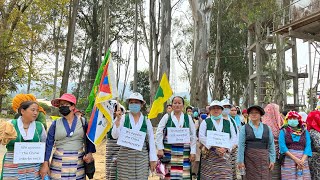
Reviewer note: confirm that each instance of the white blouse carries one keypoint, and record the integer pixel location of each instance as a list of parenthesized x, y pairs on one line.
[(137, 126), (31, 130), (179, 124)]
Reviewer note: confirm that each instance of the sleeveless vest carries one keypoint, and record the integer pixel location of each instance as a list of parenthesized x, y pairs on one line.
[(171, 124), (253, 142), (295, 145), (36, 136), (226, 126), (128, 125)]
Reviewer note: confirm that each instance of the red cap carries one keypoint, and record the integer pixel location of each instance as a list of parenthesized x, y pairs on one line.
[(66, 97), (244, 111)]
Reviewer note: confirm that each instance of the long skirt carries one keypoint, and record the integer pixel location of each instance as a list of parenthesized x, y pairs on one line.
[(179, 166), (112, 149), (133, 164), (257, 164), (67, 165), (19, 171), (212, 166), (289, 168), (276, 172), (314, 164), (233, 160)]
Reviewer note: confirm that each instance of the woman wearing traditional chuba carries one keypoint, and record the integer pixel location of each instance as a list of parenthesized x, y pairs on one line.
[(180, 152), (27, 130), (112, 147), (313, 121), (274, 120), (295, 143), (67, 134), (215, 161), (135, 135), (256, 151)]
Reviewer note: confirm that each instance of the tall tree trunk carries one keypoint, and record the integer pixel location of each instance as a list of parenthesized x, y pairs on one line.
[(107, 26), (135, 72), (30, 65), (94, 37), (70, 38), (201, 12), (56, 40), (83, 64), (217, 76), (165, 38)]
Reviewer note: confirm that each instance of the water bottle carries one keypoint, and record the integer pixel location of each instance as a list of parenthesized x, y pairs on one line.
[(242, 171), (299, 172), (46, 177)]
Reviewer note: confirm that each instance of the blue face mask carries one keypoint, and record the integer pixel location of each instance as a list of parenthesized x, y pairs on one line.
[(134, 108), (293, 122), (226, 111), (216, 117), (203, 116), (195, 114)]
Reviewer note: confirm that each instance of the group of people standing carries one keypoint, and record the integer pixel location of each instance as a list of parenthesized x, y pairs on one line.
[(215, 142)]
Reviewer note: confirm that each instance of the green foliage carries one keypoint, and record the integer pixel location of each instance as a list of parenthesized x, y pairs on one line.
[(143, 85), (45, 107)]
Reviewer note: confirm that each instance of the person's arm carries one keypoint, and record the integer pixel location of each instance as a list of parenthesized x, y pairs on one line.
[(152, 145), (272, 150), (283, 147), (202, 134), (193, 137), (307, 150), (91, 148), (116, 128), (159, 132), (234, 136), (50, 141), (241, 145)]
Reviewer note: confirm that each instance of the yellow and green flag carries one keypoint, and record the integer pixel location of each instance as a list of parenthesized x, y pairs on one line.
[(164, 92)]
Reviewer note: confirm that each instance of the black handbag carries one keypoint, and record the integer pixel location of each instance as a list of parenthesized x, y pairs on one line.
[(89, 168), (165, 160), (281, 159)]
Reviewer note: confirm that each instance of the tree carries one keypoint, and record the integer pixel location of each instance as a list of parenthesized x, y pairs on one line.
[(143, 85), (165, 37), (71, 31), (201, 12)]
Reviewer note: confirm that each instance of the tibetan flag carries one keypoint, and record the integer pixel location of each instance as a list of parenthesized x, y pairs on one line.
[(97, 81), (102, 112), (99, 124), (164, 92)]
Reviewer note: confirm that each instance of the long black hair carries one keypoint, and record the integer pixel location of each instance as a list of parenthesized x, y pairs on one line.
[(177, 97)]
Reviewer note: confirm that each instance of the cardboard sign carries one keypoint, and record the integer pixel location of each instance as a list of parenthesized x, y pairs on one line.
[(131, 138), (178, 135), (29, 152), (218, 139)]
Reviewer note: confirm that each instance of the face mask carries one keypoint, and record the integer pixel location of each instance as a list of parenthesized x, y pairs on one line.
[(195, 114), (64, 110), (134, 108), (203, 116), (216, 117), (226, 111), (293, 122)]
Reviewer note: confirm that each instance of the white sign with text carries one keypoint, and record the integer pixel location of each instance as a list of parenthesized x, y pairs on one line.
[(131, 138), (178, 135), (218, 139), (29, 152)]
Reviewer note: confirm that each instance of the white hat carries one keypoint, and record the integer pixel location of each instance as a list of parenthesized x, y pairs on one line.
[(137, 96), (216, 103), (225, 102)]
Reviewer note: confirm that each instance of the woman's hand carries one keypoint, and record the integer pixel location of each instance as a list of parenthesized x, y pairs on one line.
[(153, 165), (241, 165), (192, 157), (44, 170), (160, 153), (88, 158), (221, 151), (271, 166)]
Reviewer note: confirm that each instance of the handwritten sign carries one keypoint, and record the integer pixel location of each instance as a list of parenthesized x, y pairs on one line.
[(131, 138), (29, 152), (178, 135), (218, 139)]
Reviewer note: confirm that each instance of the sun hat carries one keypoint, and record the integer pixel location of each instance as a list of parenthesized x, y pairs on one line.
[(65, 97), (259, 108), (136, 96), (216, 103)]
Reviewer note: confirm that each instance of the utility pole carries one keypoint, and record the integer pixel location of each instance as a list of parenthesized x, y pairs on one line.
[(135, 75)]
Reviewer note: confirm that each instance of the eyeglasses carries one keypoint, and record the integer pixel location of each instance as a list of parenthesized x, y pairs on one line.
[(64, 105)]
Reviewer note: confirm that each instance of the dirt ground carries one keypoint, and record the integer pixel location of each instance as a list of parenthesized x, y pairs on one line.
[(99, 157)]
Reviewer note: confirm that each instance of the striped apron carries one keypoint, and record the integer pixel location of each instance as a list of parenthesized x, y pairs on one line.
[(67, 165), (133, 164), (289, 168), (179, 154), (112, 149), (20, 171)]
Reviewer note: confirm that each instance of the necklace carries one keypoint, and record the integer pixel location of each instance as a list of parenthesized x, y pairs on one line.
[(25, 127)]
